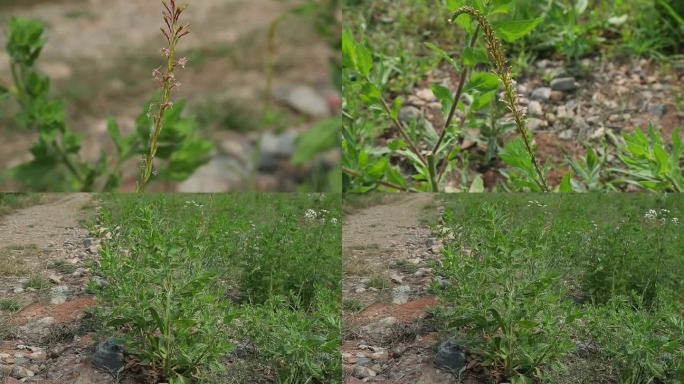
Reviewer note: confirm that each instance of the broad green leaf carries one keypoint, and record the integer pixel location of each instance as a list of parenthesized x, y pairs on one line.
[(474, 56), (482, 82), (581, 6), (477, 185), (321, 137), (482, 100), (501, 6), (515, 29)]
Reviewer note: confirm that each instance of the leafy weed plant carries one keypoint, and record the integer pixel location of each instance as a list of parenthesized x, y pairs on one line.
[(539, 283), (189, 276), (57, 163)]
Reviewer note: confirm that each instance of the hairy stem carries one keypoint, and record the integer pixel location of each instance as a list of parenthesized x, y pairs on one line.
[(503, 72), (173, 32)]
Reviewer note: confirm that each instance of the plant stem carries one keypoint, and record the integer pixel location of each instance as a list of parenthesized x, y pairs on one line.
[(503, 71), (403, 132), (457, 96), (270, 59)]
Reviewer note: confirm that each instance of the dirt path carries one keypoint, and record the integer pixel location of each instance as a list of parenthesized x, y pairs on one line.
[(44, 271), (388, 255)]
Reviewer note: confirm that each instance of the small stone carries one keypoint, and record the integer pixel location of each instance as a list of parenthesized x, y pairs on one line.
[(534, 124), (426, 95), (422, 272), (450, 356), (556, 96), (20, 359), (18, 290), (563, 84), (535, 108), (54, 279), (396, 278), (400, 294), (564, 113), (541, 94), (304, 99), (360, 290), (274, 148), (59, 294), (109, 356), (87, 242), (599, 133), (657, 109), (409, 113), (566, 134), (437, 249), (38, 356), (362, 372), (380, 328), (20, 372)]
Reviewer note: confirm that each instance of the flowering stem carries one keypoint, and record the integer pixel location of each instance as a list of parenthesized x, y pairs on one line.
[(173, 31), (503, 72)]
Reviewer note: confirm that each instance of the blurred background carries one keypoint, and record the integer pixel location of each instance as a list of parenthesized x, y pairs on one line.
[(100, 55)]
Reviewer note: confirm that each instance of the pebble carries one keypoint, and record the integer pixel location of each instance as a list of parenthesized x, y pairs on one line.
[(304, 99), (59, 294), (563, 84), (379, 328), (534, 124), (20, 372), (450, 356), (541, 94), (400, 294), (54, 279), (534, 108), (109, 356), (566, 134), (657, 109), (396, 278), (409, 113), (274, 148), (363, 372)]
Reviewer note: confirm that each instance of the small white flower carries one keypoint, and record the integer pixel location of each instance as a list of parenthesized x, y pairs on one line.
[(333, 220), (310, 214), (675, 220)]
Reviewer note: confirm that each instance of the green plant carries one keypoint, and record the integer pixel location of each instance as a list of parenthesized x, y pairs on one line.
[(57, 163), (36, 282), (367, 81), (185, 281), (648, 162), (173, 32), (506, 299), (10, 305), (302, 345), (62, 266)]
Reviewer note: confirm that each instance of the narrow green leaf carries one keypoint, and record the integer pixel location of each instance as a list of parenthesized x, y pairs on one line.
[(566, 185)]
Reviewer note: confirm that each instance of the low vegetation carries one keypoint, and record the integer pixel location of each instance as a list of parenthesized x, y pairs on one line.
[(195, 280), (556, 289)]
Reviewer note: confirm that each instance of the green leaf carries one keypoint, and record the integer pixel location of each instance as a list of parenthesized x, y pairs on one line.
[(115, 134), (482, 82), (321, 137), (474, 56), (566, 185), (4, 93), (501, 6), (515, 29), (477, 186), (581, 6), (396, 107), (482, 100)]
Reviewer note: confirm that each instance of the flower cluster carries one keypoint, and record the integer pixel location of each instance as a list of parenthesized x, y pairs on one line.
[(322, 215), (531, 203), (660, 215), (189, 203)]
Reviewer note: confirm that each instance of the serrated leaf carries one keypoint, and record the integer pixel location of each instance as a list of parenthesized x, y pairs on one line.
[(515, 29)]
